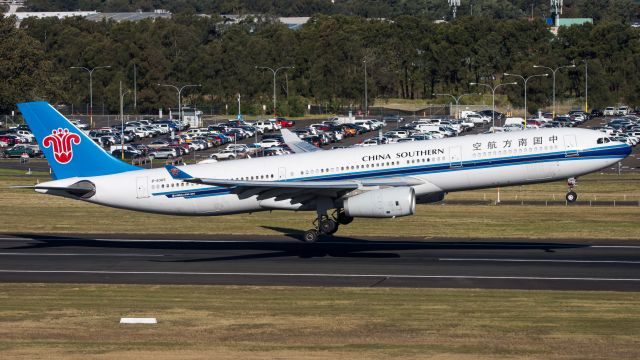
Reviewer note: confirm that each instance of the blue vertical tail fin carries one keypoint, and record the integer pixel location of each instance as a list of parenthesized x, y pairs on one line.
[(69, 151)]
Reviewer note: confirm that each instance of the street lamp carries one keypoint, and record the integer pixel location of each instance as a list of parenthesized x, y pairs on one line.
[(366, 105), (493, 93), (179, 90), (586, 86), (553, 71), (457, 100), (122, 95), (274, 82), (90, 71), (525, 90)]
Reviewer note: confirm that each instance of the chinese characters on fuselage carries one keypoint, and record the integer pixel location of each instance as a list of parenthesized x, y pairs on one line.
[(518, 143)]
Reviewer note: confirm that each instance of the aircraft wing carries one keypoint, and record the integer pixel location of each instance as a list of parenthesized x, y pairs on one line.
[(295, 144), (296, 190)]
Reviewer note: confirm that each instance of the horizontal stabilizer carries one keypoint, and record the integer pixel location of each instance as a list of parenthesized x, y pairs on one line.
[(83, 189)]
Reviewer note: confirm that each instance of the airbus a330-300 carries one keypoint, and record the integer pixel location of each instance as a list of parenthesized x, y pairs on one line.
[(376, 182)]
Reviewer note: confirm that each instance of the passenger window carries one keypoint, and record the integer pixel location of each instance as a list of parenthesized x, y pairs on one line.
[(600, 141)]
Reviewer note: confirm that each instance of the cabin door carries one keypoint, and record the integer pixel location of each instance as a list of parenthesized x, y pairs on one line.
[(142, 190), (570, 146), (282, 173), (455, 156)]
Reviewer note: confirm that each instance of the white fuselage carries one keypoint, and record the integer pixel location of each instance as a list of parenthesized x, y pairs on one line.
[(445, 165)]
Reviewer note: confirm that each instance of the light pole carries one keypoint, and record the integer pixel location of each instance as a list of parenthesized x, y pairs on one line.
[(90, 71), (122, 121), (179, 90), (553, 71), (493, 102), (586, 86), (275, 72), (366, 105), (456, 99), (525, 90)]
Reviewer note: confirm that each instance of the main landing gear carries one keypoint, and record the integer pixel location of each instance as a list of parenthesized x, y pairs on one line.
[(326, 225), (571, 195)]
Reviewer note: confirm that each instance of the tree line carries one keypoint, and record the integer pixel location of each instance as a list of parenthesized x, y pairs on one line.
[(409, 57), (611, 10)]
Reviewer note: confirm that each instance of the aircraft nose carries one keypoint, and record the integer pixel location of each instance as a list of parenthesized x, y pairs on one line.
[(628, 150)]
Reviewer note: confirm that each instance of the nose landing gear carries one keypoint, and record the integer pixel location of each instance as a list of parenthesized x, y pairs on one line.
[(571, 195)]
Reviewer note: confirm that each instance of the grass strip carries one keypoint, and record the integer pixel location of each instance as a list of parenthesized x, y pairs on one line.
[(81, 321)]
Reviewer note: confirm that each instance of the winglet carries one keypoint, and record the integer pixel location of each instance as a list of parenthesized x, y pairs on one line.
[(295, 144), (177, 173)]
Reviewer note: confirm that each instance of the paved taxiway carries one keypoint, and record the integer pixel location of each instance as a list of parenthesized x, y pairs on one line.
[(251, 260)]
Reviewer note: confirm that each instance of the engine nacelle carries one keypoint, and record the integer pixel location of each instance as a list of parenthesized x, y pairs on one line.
[(383, 203)]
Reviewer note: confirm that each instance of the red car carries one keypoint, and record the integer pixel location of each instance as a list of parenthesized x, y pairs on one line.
[(6, 141), (285, 123)]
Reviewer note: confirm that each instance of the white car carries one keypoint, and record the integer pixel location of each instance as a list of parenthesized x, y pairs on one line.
[(398, 133), (263, 125), (367, 124), (610, 111), (25, 134), (225, 155), (478, 119), (267, 143), (622, 110), (237, 148)]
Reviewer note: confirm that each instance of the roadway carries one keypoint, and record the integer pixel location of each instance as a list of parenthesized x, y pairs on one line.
[(285, 260)]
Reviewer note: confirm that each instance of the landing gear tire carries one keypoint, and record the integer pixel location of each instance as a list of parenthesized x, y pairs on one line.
[(328, 226), (343, 219), (571, 196), (310, 236)]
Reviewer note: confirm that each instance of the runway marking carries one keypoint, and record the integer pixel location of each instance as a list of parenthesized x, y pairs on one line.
[(615, 246), (390, 276), (543, 260), (73, 254)]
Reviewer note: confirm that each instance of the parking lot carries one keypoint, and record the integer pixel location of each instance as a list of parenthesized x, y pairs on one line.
[(195, 145)]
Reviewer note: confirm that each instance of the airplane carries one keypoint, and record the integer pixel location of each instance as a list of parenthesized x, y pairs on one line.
[(383, 181)]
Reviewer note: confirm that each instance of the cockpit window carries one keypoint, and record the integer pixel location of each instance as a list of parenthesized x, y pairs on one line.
[(606, 140), (601, 141)]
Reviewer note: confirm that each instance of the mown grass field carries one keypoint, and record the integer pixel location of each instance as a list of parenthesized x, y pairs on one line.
[(26, 212), (226, 322), (70, 321)]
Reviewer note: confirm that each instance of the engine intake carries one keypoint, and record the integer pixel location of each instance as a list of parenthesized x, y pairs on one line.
[(383, 203)]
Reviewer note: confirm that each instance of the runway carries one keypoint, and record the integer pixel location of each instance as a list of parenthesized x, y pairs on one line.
[(286, 261)]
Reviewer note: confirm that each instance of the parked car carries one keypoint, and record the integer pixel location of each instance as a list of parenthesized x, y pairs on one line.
[(489, 113), (20, 149), (163, 153), (392, 118), (227, 155), (275, 151), (597, 113), (609, 111), (284, 123), (158, 144), (622, 110), (128, 156), (267, 143)]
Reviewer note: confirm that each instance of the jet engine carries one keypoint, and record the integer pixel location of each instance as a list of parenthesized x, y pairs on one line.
[(382, 203)]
